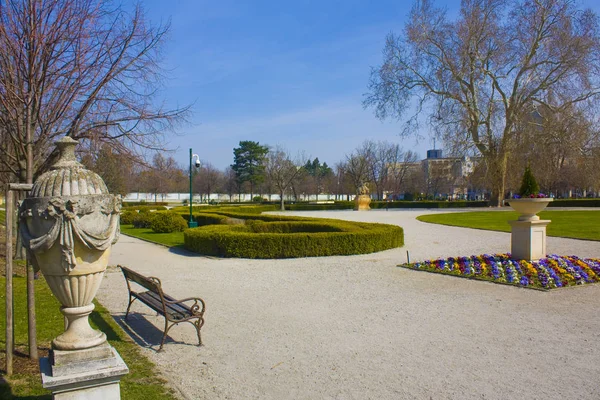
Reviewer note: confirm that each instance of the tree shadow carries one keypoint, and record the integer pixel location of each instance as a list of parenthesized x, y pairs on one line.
[(180, 250)]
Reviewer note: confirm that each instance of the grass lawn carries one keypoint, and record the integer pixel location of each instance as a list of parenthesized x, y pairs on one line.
[(168, 239), (576, 224), (142, 382)]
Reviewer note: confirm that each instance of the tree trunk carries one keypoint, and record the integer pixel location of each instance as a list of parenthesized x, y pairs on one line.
[(497, 173), (282, 208)]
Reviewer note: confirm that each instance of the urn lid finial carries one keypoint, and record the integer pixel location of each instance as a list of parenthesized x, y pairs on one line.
[(66, 158), (68, 177)]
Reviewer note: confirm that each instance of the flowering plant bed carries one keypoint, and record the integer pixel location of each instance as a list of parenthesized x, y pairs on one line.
[(547, 273)]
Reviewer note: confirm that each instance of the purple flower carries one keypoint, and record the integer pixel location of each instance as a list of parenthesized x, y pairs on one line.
[(524, 281)]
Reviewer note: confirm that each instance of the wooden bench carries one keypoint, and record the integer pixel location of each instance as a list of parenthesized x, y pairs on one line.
[(174, 311)]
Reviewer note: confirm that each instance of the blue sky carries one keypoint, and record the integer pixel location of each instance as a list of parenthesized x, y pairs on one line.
[(287, 73)]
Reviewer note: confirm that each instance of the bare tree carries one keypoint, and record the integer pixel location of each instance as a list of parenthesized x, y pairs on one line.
[(399, 169), (357, 168), (164, 177), (117, 170), (479, 75), (282, 171), (81, 68), (207, 180), (343, 181)]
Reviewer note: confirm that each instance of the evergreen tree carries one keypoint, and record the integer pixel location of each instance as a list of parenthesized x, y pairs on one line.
[(529, 185), (249, 163)]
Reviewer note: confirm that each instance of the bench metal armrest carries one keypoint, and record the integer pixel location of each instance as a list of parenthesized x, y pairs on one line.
[(197, 308)]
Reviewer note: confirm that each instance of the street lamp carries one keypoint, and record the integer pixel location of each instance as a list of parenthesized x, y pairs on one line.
[(192, 224)]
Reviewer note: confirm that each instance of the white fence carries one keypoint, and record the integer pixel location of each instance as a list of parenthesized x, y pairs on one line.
[(220, 197)]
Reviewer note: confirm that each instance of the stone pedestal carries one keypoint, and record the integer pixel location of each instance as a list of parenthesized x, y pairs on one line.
[(90, 374), (361, 203), (528, 239)]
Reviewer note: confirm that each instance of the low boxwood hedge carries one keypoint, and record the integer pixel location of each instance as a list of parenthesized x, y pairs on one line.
[(575, 203), (145, 203), (293, 238), (144, 208), (428, 204), (204, 218)]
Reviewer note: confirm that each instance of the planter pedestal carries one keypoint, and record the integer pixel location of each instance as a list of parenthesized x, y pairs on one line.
[(90, 374), (528, 239), (361, 203)]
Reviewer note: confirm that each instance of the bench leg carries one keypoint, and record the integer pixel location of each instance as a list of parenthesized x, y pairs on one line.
[(167, 327), (198, 325), (131, 300)]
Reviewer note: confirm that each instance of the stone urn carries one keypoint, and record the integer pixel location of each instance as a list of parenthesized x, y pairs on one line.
[(68, 223), (529, 207)]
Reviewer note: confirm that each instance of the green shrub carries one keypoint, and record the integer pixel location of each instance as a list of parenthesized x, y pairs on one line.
[(167, 222), (300, 237), (143, 220), (529, 185), (127, 217)]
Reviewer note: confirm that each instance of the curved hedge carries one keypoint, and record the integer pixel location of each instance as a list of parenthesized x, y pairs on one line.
[(144, 208), (290, 238)]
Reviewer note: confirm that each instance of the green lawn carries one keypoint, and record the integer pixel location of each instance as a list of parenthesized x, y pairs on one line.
[(571, 224), (142, 382), (168, 239)]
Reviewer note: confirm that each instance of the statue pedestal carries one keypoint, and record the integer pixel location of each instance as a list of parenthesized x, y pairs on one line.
[(90, 374), (528, 239), (361, 202)]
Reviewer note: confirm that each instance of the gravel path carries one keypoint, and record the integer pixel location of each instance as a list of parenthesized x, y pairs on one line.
[(358, 327)]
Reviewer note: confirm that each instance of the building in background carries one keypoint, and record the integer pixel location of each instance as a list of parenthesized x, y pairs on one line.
[(448, 177)]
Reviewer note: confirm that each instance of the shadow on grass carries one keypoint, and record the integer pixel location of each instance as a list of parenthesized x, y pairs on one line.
[(25, 371)]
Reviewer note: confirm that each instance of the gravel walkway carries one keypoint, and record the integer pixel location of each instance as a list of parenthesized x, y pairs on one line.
[(358, 327)]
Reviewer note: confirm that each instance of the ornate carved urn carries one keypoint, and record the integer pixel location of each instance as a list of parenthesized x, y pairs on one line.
[(68, 223)]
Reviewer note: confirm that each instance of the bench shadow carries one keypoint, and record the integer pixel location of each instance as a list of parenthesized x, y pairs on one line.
[(142, 331)]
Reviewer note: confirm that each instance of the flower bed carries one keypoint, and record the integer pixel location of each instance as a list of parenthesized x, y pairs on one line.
[(547, 273)]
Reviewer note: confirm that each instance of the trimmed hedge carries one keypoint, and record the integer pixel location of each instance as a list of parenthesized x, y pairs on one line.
[(349, 205), (167, 222), (145, 203), (204, 218), (293, 238), (428, 204), (575, 203), (345, 205), (144, 208)]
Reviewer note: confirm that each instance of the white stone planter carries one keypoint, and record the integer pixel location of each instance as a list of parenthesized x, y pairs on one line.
[(529, 207), (528, 233)]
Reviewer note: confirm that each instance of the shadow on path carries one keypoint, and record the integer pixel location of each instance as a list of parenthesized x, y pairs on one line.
[(142, 331)]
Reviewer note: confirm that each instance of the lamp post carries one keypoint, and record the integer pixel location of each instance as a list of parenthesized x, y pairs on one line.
[(192, 224)]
